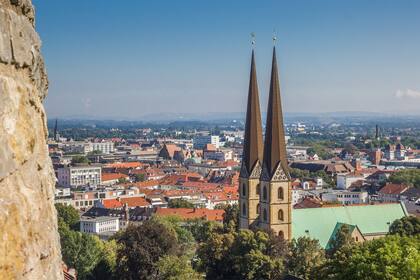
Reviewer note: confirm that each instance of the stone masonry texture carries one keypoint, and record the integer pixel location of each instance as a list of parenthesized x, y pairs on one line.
[(29, 241)]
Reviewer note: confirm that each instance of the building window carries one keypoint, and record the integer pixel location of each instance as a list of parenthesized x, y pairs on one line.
[(281, 234), (280, 215), (265, 192), (357, 239), (243, 189), (280, 193), (265, 215), (244, 209), (258, 208), (258, 189)]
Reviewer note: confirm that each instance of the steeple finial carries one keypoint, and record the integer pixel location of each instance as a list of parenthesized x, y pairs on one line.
[(253, 39), (274, 37)]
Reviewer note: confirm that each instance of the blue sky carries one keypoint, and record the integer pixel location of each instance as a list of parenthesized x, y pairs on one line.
[(125, 59)]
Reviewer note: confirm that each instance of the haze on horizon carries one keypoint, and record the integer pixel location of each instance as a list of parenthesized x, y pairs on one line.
[(132, 59)]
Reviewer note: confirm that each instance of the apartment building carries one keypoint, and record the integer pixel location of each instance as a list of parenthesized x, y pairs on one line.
[(74, 176)]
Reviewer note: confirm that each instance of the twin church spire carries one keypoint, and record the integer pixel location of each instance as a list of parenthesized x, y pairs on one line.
[(264, 179), (273, 152)]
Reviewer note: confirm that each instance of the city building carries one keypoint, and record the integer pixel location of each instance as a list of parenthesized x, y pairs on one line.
[(345, 197), (103, 147), (392, 192), (74, 176), (345, 181), (201, 141), (99, 225)]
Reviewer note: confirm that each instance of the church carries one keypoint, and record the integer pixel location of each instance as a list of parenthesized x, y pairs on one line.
[(265, 183)]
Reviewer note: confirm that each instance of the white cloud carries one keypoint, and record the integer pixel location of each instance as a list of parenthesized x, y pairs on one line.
[(408, 93)]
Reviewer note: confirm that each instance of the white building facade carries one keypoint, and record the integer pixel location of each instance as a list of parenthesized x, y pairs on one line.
[(99, 225), (74, 176), (346, 197)]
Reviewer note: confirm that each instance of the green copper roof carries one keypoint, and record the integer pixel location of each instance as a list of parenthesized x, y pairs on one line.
[(319, 223)]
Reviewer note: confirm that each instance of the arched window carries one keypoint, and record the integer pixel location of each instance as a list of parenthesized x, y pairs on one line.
[(280, 193), (258, 189), (280, 215), (265, 214), (243, 209), (281, 234), (265, 192), (258, 208), (243, 189)]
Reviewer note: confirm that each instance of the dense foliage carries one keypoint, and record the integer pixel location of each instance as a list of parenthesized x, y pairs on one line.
[(80, 159), (91, 257), (169, 248), (180, 203), (409, 177), (406, 226)]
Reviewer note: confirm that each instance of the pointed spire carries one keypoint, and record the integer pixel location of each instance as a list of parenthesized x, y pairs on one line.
[(253, 143), (55, 129), (274, 144)]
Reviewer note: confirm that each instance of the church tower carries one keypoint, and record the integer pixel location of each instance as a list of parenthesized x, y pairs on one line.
[(275, 195), (249, 179)]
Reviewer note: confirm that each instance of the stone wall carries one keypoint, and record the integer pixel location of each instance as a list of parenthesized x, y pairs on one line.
[(29, 242)]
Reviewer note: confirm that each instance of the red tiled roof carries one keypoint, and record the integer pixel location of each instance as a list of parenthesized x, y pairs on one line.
[(393, 189), (112, 176), (135, 201), (197, 213), (149, 183), (112, 203), (308, 202)]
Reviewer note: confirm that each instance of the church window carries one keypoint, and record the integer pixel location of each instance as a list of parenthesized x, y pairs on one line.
[(258, 189), (243, 189), (265, 214), (281, 234), (280, 215), (258, 208), (244, 209), (280, 193)]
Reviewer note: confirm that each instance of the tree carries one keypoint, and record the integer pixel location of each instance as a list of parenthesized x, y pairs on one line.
[(139, 177), (341, 240), (391, 257), (79, 250), (176, 268), (239, 255), (298, 173), (325, 177), (69, 215), (184, 236), (202, 230), (305, 258), (180, 203), (405, 226), (231, 217), (105, 269), (141, 247), (80, 159), (122, 180), (409, 177)]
